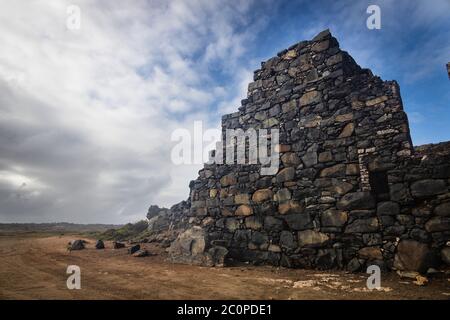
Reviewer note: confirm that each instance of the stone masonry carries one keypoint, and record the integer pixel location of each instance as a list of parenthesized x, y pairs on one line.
[(351, 190)]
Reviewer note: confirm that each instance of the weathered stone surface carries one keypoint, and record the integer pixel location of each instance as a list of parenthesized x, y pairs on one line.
[(333, 171), (370, 253), (242, 198), (309, 98), (273, 224), (325, 156), (355, 265), (244, 210), (356, 200), (189, 247), (290, 207), (262, 195), (347, 131), (445, 255), (437, 224), (321, 46), (388, 208), (311, 238), (412, 256), (253, 223), (363, 226), (298, 221), (375, 101), (342, 188), (333, 218), (399, 192), (282, 195), (228, 180), (287, 240), (428, 187), (352, 169), (286, 174), (443, 209), (290, 159), (344, 117), (310, 159), (232, 224)]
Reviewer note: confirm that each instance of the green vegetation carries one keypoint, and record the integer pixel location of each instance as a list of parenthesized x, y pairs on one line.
[(127, 232)]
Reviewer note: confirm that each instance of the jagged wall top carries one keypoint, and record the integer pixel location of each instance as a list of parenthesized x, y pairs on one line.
[(343, 175)]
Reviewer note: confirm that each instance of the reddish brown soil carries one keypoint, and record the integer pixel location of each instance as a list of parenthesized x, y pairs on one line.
[(34, 267)]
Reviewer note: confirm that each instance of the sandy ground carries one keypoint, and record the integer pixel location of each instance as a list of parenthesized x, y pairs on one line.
[(34, 267)]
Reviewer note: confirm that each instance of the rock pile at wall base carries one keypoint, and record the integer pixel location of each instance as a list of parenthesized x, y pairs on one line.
[(351, 190)]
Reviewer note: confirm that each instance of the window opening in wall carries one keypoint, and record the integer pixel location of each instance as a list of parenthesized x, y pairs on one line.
[(379, 185)]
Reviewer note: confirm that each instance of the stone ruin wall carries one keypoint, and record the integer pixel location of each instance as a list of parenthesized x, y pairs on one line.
[(350, 190)]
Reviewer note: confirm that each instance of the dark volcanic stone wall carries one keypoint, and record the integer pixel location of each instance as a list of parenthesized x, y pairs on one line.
[(349, 190)]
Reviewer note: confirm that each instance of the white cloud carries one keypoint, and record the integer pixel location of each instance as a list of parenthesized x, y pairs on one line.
[(88, 114)]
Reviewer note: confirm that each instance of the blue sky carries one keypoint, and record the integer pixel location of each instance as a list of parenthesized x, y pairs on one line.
[(86, 115), (412, 47)]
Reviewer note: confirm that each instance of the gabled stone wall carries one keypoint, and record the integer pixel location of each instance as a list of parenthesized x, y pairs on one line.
[(348, 188)]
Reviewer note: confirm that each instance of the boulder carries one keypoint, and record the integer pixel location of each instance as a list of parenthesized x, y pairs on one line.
[(356, 200), (413, 256), (216, 256), (191, 247), (76, 245), (140, 253), (428, 187), (118, 245), (99, 245), (134, 249), (159, 222)]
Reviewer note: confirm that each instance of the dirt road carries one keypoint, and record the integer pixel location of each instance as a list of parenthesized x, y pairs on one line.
[(34, 267)]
